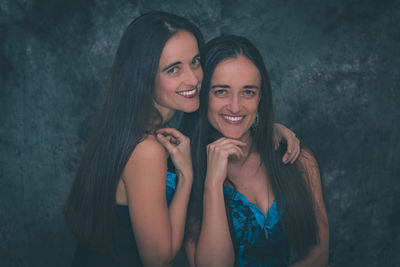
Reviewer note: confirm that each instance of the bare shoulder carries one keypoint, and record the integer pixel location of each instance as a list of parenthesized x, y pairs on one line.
[(148, 155), (150, 148)]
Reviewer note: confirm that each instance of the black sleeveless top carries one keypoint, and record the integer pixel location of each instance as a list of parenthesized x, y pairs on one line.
[(128, 254), (126, 249)]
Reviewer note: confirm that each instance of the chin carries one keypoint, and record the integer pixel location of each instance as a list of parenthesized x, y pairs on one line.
[(191, 108), (232, 135), (237, 134)]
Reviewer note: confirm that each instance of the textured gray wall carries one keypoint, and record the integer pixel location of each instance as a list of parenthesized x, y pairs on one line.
[(335, 68)]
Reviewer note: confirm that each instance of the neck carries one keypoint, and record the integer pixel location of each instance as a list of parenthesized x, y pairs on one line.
[(246, 138), (166, 114)]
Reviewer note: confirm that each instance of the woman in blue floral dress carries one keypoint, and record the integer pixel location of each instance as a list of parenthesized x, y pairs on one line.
[(248, 208)]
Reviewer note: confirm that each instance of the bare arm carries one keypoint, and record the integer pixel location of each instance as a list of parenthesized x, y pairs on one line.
[(158, 235), (318, 256), (178, 147), (214, 247)]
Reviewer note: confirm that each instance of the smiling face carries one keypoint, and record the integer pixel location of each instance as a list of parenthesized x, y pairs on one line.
[(234, 97), (179, 76)]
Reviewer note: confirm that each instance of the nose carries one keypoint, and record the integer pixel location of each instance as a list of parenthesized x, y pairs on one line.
[(192, 77), (234, 104)]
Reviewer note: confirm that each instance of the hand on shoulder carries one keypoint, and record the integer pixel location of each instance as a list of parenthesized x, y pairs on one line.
[(178, 147)]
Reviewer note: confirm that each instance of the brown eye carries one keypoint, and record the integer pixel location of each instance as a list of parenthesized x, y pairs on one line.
[(249, 93), (196, 61), (173, 70), (220, 92)]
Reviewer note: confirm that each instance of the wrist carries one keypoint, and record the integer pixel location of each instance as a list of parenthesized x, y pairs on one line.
[(185, 177), (212, 184)]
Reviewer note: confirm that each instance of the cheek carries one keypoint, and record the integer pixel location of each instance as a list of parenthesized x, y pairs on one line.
[(253, 106), (163, 86), (199, 74), (158, 85)]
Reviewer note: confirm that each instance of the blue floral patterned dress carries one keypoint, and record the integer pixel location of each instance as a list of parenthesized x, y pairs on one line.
[(171, 183), (258, 238)]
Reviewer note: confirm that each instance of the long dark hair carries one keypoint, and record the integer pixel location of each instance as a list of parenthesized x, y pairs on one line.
[(128, 112), (289, 186)]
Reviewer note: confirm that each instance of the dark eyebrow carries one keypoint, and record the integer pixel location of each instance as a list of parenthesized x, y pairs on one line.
[(220, 86), (250, 87), (171, 65), (227, 86)]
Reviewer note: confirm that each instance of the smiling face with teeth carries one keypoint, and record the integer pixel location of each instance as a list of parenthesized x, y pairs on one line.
[(179, 76), (234, 97)]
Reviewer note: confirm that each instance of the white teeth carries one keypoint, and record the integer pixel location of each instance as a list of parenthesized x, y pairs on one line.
[(233, 118), (186, 93)]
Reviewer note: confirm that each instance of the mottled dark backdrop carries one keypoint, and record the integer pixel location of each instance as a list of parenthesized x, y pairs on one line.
[(335, 68)]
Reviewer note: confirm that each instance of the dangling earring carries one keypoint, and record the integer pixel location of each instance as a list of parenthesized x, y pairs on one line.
[(255, 123)]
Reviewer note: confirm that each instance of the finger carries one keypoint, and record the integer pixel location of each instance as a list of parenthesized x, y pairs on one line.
[(166, 143), (172, 140), (223, 140), (234, 151), (297, 154), (298, 150), (173, 132), (237, 151), (291, 144), (276, 144), (233, 141), (230, 147), (285, 158), (236, 155), (277, 138), (219, 141), (292, 147), (293, 156), (241, 153)]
